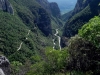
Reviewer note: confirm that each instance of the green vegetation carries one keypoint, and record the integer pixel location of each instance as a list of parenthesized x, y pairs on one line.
[(83, 50), (16, 67), (30, 50), (14, 30), (66, 16), (55, 62), (82, 54), (81, 15), (91, 31)]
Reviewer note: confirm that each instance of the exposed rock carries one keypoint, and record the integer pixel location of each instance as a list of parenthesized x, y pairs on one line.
[(80, 5), (1, 72), (6, 6), (4, 66)]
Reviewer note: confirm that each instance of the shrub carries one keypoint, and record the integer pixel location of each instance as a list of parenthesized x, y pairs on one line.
[(82, 54), (91, 31)]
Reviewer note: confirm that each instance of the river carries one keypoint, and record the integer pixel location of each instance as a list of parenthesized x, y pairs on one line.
[(59, 39)]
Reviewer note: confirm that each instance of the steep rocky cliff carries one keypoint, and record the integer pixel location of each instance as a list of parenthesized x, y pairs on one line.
[(53, 10), (80, 5), (83, 12), (52, 7), (6, 6), (4, 66)]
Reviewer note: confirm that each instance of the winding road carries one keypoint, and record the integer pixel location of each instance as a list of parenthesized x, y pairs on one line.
[(22, 42)]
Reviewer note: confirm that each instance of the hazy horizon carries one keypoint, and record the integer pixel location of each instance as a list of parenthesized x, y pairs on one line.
[(65, 5)]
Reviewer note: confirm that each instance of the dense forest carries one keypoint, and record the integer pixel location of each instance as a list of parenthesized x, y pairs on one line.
[(35, 39)]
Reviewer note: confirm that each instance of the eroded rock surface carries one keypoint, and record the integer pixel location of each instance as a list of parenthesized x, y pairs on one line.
[(6, 6), (4, 66)]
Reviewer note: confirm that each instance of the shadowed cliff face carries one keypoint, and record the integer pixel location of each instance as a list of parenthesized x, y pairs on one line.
[(6, 6), (55, 9), (4, 66), (44, 22), (51, 8), (45, 11), (80, 5)]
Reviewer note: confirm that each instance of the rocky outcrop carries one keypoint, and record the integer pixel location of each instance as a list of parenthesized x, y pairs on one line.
[(80, 5), (55, 9), (4, 66), (6, 6)]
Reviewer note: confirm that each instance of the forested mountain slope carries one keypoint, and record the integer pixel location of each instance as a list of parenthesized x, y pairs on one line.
[(30, 38), (83, 11), (25, 29)]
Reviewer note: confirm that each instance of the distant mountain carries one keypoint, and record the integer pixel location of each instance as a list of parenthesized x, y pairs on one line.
[(65, 5)]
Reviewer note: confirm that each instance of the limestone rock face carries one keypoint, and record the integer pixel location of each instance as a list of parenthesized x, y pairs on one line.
[(6, 6), (4, 66)]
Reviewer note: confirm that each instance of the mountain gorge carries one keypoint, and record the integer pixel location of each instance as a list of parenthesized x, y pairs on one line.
[(16, 20), (32, 32)]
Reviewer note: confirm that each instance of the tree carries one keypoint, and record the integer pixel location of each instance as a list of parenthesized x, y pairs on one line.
[(55, 61), (81, 54), (91, 31)]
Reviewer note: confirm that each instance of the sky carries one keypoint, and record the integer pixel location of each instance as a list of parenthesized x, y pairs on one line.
[(65, 5)]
